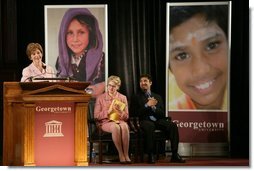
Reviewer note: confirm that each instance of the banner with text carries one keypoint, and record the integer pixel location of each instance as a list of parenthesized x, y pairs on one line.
[(54, 134), (201, 127), (197, 69)]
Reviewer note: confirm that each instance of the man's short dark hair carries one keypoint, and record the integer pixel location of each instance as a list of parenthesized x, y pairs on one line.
[(146, 76)]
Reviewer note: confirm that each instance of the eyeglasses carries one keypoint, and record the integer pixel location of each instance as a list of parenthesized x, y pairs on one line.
[(113, 86)]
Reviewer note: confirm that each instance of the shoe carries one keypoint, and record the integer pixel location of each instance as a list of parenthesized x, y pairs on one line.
[(151, 158), (176, 158), (128, 162), (123, 162)]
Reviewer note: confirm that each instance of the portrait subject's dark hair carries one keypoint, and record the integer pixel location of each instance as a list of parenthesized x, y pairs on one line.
[(90, 23), (216, 13)]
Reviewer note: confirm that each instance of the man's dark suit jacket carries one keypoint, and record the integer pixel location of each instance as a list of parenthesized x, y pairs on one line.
[(138, 109)]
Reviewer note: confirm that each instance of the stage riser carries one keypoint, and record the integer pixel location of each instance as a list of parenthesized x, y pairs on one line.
[(202, 149)]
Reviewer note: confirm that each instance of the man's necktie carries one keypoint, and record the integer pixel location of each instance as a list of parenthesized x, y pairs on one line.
[(153, 107)]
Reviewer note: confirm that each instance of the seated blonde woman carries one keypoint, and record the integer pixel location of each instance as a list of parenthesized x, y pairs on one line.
[(111, 109)]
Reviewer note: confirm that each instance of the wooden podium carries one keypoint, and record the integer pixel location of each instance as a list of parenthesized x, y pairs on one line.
[(19, 118)]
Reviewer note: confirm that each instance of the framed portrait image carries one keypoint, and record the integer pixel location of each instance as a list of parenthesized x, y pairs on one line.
[(76, 43), (197, 70), (198, 58)]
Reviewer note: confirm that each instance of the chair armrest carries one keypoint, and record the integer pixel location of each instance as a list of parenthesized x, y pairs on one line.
[(137, 123), (99, 129), (132, 125), (168, 118), (96, 124), (92, 121)]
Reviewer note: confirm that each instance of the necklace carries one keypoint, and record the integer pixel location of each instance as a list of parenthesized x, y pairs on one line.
[(76, 59)]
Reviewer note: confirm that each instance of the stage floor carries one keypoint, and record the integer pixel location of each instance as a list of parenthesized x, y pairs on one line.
[(194, 161)]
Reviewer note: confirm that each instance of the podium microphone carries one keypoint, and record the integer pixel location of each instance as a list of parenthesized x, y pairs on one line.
[(44, 67), (37, 77), (30, 79)]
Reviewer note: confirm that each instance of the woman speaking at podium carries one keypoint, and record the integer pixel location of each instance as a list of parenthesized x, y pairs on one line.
[(37, 69)]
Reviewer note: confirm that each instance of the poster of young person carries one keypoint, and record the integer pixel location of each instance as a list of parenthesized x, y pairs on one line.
[(198, 63), (76, 43)]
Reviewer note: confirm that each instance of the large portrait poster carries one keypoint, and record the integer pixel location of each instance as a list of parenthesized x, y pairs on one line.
[(76, 43), (198, 62)]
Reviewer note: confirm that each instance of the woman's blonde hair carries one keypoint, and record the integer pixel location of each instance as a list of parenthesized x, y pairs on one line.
[(115, 79), (32, 47)]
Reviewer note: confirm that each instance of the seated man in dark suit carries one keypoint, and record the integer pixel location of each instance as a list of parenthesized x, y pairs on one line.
[(150, 109)]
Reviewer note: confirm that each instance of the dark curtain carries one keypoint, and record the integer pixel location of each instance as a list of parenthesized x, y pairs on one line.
[(137, 43)]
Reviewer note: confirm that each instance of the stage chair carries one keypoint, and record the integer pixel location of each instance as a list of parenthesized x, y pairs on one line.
[(96, 134), (134, 140), (160, 137)]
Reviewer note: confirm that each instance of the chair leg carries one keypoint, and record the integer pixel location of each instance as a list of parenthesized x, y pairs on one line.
[(90, 152), (100, 152), (157, 150), (141, 150), (136, 150), (157, 144)]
